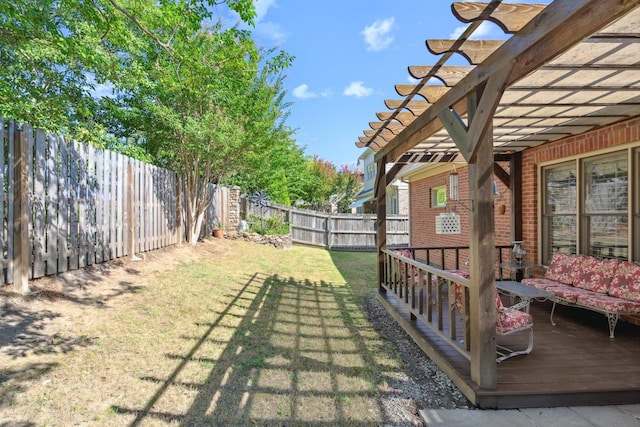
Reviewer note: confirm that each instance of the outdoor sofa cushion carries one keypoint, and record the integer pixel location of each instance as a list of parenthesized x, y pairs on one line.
[(626, 282), (564, 268), (595, 274)]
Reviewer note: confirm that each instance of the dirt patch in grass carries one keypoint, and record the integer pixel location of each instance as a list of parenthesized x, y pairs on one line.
[(226, 333)]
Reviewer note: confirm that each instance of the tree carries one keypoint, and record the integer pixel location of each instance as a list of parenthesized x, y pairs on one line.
[(196, 99), (54, 53), (202, 108)]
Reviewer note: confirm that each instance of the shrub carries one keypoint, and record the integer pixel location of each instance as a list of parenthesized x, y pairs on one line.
[(274, 225)]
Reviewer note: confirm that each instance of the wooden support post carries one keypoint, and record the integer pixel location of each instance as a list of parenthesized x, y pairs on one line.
[(381, 224), (481, 253), (21, 168), (515, 179), (515, 176)]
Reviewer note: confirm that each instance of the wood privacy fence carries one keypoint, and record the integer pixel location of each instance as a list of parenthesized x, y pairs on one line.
[(67, 205), (335, 231)]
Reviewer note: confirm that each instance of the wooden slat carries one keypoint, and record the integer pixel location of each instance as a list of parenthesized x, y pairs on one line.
[(414, 106), (38, 201), (52, 204), (113, 204), (475, 51), (509, 16), (10, 197), (91, 205), (74, 206), (106, 205), (404, 118), (64, 225), (3, 194), (122, 210), (99, 205), (449, 75), (430, 93)]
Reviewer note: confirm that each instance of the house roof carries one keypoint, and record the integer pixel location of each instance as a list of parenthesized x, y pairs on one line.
[(572, 66)]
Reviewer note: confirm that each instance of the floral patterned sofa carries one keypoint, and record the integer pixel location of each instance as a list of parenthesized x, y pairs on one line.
[(606, 286)]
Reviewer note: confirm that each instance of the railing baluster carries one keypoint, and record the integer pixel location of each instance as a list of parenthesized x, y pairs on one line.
[(403, 276), (452, 310)]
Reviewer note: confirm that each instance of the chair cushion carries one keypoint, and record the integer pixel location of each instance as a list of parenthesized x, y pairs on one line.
[(511, 321), (564, 268), (595, 274), (405, 253), (626, 281), (461, 273)]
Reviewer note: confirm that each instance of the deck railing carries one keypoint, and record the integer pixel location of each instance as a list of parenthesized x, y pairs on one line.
[(425, 284)]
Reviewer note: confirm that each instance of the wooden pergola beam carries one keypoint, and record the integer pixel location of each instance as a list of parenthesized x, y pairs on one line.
[(559, 26)]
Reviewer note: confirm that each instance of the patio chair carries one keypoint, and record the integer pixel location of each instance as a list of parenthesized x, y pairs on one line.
[(509, 320)]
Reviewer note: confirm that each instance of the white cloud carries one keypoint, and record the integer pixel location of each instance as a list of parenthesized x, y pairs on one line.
[(262, 7), (376, 35), (480, 32), (268, 29), (357, 89), (302, 92), (272, 30)]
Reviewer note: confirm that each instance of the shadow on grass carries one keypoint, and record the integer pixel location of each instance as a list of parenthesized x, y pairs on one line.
[(14, 381), (301, 353), (22, 333)]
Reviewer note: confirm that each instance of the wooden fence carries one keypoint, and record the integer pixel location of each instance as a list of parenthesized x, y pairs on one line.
[(335, 231), (68, 205)]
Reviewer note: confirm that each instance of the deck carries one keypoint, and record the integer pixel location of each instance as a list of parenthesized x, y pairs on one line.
[(574, 363)]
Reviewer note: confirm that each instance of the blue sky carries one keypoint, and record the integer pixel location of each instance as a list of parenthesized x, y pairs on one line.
[(349, 55)]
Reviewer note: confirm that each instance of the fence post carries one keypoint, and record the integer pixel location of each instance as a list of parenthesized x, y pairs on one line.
[(21, 211), (131, 212)]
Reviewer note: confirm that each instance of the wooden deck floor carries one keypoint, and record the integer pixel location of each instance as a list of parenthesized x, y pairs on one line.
[(574, 363)]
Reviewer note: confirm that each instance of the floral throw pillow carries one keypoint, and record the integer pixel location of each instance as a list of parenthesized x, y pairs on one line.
[(564, 268), (595, 274), (626, 282)]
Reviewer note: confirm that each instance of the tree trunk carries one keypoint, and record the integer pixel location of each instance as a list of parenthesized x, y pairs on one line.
[(197, 204)]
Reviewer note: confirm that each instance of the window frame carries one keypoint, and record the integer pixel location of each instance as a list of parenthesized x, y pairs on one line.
[(632, 152), (586, 244), (437, 202), (548, 217)]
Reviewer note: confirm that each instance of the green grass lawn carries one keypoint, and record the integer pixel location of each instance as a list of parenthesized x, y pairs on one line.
[(227, 333)]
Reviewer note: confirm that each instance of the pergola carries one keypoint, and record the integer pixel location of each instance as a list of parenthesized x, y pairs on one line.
[(569, 67)]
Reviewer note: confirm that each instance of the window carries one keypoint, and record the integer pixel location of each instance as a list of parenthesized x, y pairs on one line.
[(559, 210), (586, 206), (605, 221), (371, 171), (439, 197)]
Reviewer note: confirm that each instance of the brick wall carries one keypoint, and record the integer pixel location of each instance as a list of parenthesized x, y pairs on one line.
[(607, 137), (422, 215)]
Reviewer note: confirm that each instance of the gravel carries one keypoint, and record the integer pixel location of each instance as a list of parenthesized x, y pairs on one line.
[(420, 384)]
